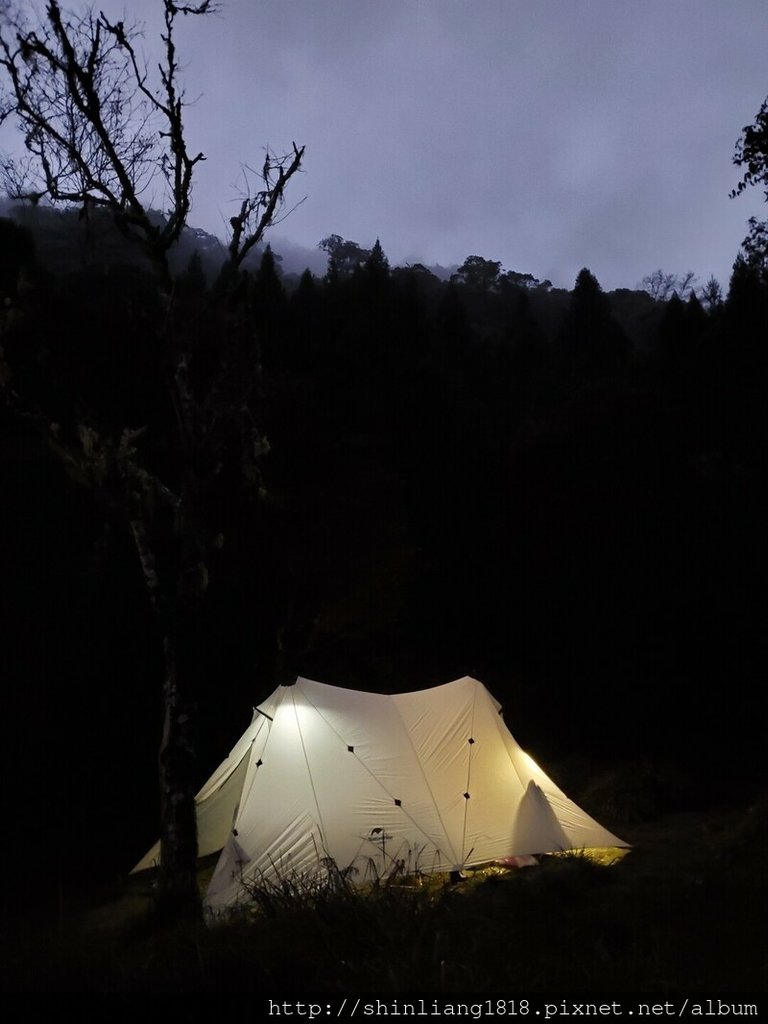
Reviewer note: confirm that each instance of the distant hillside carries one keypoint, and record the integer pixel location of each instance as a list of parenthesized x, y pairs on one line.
[(294, 259), (68, 241)]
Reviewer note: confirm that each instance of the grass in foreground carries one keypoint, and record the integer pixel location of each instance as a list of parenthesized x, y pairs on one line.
[(685, 911)]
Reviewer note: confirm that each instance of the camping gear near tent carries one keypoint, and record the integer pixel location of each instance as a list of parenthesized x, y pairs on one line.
[(327, 779)]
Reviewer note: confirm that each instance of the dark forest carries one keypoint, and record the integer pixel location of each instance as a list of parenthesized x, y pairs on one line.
[(217, 476), (560, 493)]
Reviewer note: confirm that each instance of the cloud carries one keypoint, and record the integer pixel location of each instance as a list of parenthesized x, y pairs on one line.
[(548, 135)]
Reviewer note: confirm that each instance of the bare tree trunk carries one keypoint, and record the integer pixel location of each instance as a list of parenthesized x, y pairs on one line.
[(178, 895)]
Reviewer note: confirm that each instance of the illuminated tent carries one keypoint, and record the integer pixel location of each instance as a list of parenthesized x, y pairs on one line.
[(327, 779)]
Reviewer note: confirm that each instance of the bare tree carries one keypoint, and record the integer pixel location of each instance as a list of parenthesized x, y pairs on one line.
[(102, 130), (711, 295), (661, 286)]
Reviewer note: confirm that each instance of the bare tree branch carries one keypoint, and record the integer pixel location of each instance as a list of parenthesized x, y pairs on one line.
[(258, 211), (661, 286), (96, 127)]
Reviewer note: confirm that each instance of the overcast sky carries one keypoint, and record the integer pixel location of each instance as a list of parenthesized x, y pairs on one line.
[(547, 134)]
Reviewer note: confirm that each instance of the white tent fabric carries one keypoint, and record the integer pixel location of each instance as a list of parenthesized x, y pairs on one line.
[(327, 778)]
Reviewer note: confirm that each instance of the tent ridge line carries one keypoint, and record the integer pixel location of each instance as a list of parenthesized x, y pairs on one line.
[(246, 794), (468, 790)]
